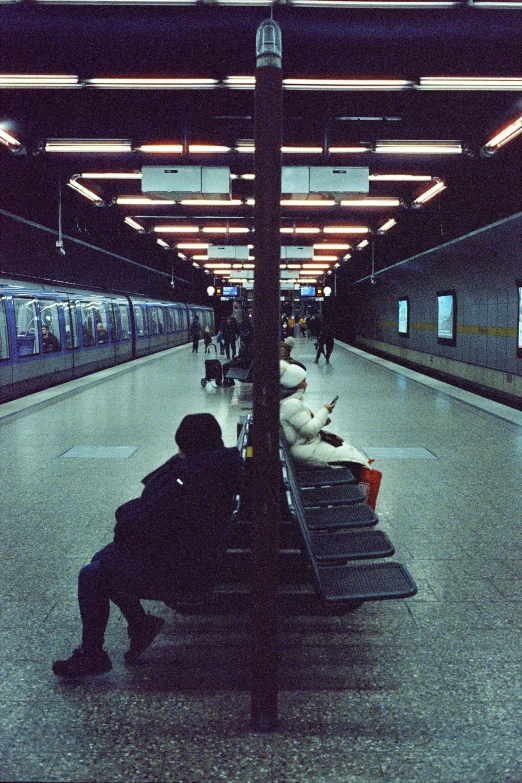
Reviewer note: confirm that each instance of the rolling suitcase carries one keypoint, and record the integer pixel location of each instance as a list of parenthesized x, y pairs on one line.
[(213, 372)]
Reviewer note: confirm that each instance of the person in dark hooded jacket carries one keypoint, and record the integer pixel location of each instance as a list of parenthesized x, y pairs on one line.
[(170, 539)]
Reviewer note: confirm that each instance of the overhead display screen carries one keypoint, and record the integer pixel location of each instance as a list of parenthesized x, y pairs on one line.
[(230, 290), (404, 317), (446, 317), (307, 290)]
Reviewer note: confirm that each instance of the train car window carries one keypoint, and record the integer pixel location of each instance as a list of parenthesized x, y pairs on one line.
[(51, 341), (139, 321), (88, 319), (71, 325), (161, 320), (125, 323), (4, 341), (27, 337), (153, 320), (114, 322), (171, 321), (102, 331)]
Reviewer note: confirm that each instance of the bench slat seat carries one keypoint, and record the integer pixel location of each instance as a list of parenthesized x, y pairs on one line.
[(324, 477), (336, 495), (350, 545), (365, 582), (338, 517), (240, 374)]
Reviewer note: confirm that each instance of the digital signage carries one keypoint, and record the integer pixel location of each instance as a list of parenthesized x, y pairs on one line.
[(404, 317), (446, 317)]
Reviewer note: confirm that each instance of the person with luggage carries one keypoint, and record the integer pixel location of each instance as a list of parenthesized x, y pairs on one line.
[(229, 333), (169, 540)]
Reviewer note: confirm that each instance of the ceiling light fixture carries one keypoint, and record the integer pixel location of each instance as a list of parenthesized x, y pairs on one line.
[(386, 226), (331, 246), (141, 201), (163, 243), (37, 81), (157, 149), (207, 149), (347, 84), (110, 175), (88, 145), (362, 244), (151, 84), (300, 230), (133, 224), (400, 177), (371, 202), (348, 150), (85, 191), (346, 230), (225, 230), (192, 245), (210, 202), (302, 150), (470, 83), (8, 140), (429, 194), (419, 147), (176, 229), (504, 136), (296, 202)]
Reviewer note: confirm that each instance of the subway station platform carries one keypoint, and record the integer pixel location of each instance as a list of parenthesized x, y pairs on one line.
[(423, 690)]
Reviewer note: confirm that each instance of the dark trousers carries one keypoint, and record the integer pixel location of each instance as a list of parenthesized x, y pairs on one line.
[(230, 345), (195, 344), (114, 576)]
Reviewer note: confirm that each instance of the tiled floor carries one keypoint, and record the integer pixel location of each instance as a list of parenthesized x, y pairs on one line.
[(425, 690)]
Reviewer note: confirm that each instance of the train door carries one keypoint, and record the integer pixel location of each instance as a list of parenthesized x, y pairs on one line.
[(6, 363)]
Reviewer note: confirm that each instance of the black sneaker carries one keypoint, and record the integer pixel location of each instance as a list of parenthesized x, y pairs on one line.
[(142, 637), (80, 664)]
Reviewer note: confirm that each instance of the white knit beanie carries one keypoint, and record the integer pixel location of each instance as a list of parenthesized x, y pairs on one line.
[(289, 341), (290, 375)]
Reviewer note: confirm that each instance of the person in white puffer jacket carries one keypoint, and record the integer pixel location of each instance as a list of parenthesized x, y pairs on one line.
[(302, 428)]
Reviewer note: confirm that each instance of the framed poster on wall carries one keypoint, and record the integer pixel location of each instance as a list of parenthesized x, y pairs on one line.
[(404, 317), (446, 317)]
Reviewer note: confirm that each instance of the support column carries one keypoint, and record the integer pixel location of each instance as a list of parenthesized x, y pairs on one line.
[(265, 425)]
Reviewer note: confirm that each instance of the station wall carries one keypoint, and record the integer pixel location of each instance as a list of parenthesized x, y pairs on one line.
[(484, 270)]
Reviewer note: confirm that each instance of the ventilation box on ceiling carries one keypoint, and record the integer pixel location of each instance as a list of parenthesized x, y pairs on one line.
[(183, 181), (296, 252), (315, 181), (237, 252)]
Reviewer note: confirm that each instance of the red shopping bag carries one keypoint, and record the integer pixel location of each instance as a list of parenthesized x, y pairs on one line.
[(370, 481)]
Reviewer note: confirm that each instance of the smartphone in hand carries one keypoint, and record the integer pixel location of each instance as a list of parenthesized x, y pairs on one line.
[(334, 399)]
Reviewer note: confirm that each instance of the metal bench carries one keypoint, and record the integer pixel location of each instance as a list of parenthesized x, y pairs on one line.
[(351, 584), (243, 374), (324, 477), (334, 495)]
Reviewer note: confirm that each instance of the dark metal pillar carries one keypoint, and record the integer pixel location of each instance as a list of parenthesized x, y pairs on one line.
[(265, 425)]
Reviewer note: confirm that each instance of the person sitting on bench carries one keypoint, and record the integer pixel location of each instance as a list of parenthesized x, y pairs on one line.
[(169, 540), (310, 445)]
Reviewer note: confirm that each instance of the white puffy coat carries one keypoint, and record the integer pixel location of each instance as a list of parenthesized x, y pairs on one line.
[(301, 428)]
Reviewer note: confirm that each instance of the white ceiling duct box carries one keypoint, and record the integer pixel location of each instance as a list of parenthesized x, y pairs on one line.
[(289, 274), (237, 252), (296, 252), (315, 181), (244, 274), (182, 181)]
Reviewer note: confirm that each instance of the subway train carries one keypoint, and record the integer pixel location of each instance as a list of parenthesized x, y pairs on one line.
[(51, 334)]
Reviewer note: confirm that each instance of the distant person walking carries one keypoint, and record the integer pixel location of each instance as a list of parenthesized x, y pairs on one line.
[(196, 333)]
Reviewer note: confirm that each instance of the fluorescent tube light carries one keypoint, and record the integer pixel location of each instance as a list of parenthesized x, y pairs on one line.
[(9, 140), (400, 177), (429, 194), (151, 84), (110, 175), (504, 136), (210, 202), (84, 191), (218, 265), (208, 148), (163, 243), (319, 266), (141, 201), (133, 224), (371, 202), (88, 145), (192, 246), (160, 148), (304, 203), (176, 229), (240, 82), (37, 81), (300, 230), (346, 230), (324, 258), (362, 244), (225, 230), (419, 147), (470, 82), (386, 226), (248, 149), (349, 4), (347, 84), (331, 246)]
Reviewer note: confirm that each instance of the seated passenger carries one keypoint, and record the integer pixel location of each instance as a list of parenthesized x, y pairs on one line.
[(285, 349), (170, 539), (310, 445), (50, 342), (101, 332)]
